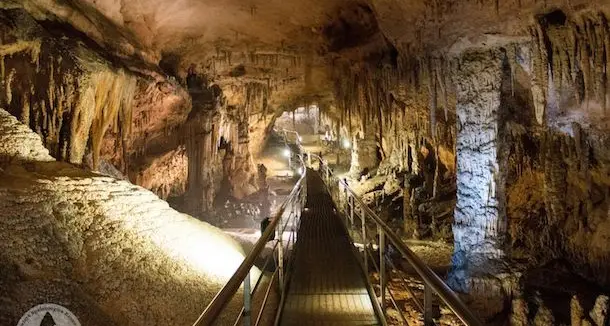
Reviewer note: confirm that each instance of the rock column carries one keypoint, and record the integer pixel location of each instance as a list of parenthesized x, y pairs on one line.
[(202, 138), (364, 155), (480, 220), (239, 169), (201, 149)]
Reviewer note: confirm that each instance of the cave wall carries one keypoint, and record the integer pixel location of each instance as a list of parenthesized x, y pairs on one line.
[(218, 141), (559, 146), (87, 107), (518, 124), (153, 153)]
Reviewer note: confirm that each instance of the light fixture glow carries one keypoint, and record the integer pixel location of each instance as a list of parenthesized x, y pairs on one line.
[(287, 152), (346, 144)]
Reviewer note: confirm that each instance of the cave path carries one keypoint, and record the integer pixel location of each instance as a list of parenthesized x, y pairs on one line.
[(327, 286)]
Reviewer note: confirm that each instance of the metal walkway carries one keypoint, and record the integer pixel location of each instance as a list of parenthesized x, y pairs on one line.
[(316, 271), (327, 286)]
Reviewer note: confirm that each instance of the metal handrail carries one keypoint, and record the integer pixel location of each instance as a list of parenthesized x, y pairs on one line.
[(242, 275), (431, 280)]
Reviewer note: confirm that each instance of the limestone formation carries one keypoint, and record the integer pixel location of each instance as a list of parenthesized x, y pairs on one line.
[(520, 312), (576, 312), (599, 313), (543, 317), (19, 143), (480, 219), (111, 251)]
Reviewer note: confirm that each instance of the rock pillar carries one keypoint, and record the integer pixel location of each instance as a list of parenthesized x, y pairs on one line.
[(202, 139), (480, 219), (364, 155), (239, 169), (203, 165)]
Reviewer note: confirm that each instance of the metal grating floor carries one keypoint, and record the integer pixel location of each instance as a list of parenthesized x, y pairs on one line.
[(327, 286)]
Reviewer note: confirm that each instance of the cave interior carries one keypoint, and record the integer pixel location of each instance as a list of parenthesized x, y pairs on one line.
[(143, 142)]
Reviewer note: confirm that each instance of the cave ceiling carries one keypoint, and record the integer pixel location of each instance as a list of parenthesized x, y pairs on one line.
[(288, 42)]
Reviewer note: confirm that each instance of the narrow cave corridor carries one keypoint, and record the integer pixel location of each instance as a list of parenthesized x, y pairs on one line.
[(304, 162)]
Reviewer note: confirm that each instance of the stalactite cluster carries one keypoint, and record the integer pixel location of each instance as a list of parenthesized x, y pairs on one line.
[(559, 149), (391, 102), (112, 99), (65, 92), (569, 63), (226, 58)]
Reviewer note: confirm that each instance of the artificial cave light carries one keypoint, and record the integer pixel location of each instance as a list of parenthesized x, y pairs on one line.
[(346, 144)]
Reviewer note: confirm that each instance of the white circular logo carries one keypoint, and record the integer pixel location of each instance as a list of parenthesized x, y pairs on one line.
[(48, 314)]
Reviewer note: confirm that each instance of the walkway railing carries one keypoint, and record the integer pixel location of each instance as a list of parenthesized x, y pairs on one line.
[(368, 229), (285, 223), (358, 219)]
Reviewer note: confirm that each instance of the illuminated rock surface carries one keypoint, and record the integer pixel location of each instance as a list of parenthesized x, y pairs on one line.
[(112, 252)]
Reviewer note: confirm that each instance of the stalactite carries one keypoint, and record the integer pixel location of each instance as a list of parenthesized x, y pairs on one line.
[(433, 98), (540, 74), (442, 82), (32, 46), (113, 94)]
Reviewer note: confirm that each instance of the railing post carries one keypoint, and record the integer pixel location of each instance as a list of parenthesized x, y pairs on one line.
[(346, 205), (364, 242), (247, 301), (382, 266), (351, 211), (280, 254), (428, 306)]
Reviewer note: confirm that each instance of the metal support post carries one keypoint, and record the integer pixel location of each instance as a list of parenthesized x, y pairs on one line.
[(428, 306), (351, 211), (364, 243), (382, 266), (247, 301), (280, 255), (346, 205)]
